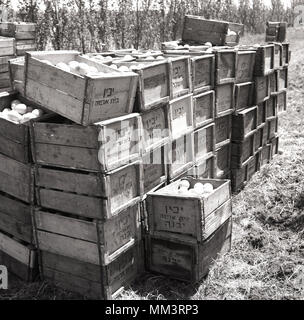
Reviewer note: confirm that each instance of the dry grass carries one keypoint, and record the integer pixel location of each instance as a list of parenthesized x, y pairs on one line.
[(267, 256)]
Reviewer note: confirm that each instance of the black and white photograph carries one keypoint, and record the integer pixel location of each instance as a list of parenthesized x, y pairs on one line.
[(151, 150)]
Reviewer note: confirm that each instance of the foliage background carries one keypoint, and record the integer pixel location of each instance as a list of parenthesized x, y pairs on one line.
[(93, 25)]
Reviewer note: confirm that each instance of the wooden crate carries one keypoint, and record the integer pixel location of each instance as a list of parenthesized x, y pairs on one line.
[(179, 76), (261, 89), (244, 123), (204, 142), (274, 143), (200, 30), (222, 160), (222, 130), (242, 151), (277, 61), (18, 30), (91, 241), (16, 179), (203, 70), (154, 84), (19, 259), (16, 71), (272, 125), (224, 99), (271, 107), (180, 155), (239, 177), (97, 196), (243, 95), (180, 116), (203, 109), (101, 147), (4, 62), (154, 127), (91, 280), (285, 54), (23, 46), (5, 80), (187, 261), (82, 99), (15, 218), (7, 47), (205, 169), (281, 98), (245, 61), (282, 76), (264, 60), (225, 66), (261, 114), (273, 82), (265, 155), (177, 215), (260, 139), (15, 138), (154, 168)]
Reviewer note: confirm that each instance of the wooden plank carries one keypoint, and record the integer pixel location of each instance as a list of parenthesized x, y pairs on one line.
[(245, 66), (244, 95), (66, 226), (14, 150), (67, 265), (262, 90), (67, 157), (242, 151), (155, 130), (222, 130), (66, 135), (15, 178), (179, 73), (244, 123), (180, 117), (19, 269), (203, 68), (80, 183), (203, 109), (70, 247), (154, 168), (225, 66), (54, 100), (16, 209), (15, 228), (67, 281), (16, 250), (81, 205), (180, 155), (224, 99), (222, 156), (204, 142)]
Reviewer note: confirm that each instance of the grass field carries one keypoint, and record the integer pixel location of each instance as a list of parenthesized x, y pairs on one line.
[(267, 256)]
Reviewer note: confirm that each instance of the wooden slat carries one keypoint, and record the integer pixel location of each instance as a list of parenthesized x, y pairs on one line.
[(15, 249), (86, 184), (70, 227), (70, 247), (71, 203), (54, 100), (68, 157)]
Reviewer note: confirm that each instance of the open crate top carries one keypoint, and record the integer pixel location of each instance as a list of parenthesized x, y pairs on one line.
[(83, 98), (172, 189)]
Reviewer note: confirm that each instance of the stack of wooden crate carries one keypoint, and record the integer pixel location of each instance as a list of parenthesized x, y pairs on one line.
[(15, 39), (187, 231), (17, 250), (276, 31), (88, 178)]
